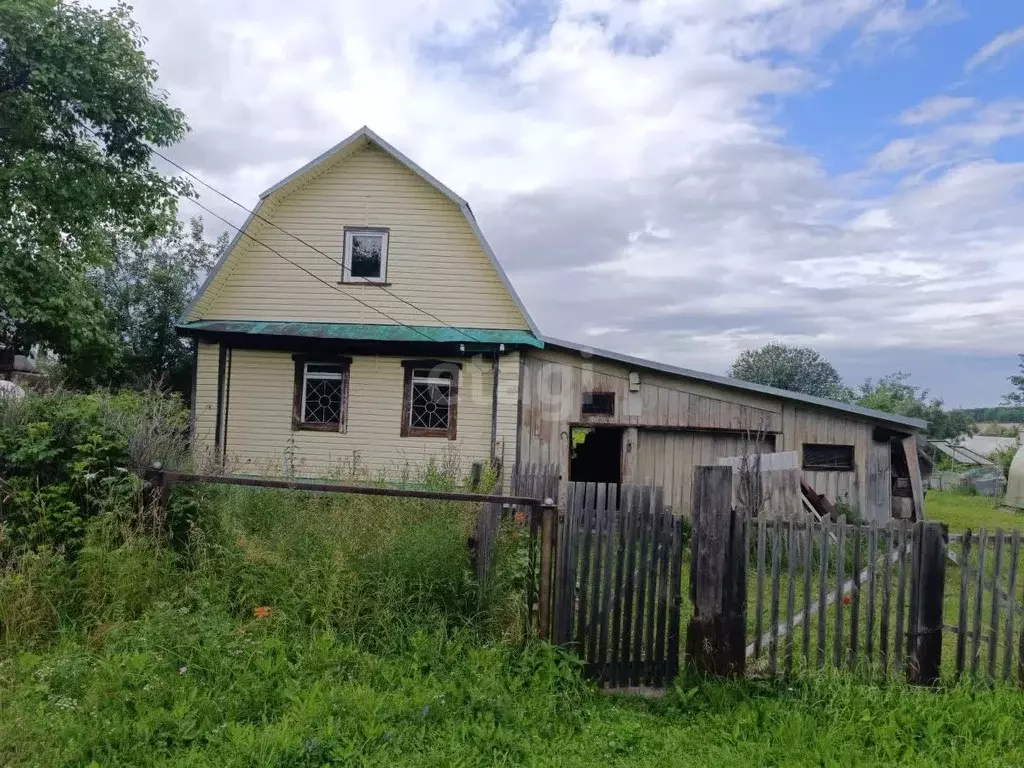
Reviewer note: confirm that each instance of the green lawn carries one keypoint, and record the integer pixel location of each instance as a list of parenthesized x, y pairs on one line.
[(960, 512)]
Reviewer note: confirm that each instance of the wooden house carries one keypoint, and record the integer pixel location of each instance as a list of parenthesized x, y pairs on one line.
[(360, 323)]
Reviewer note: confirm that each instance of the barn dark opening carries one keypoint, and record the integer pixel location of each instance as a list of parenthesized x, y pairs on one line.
[(595, 455)]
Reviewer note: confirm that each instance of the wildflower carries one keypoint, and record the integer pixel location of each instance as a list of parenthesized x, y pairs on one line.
[(262, 612), (182, 669), (847, 599), (520, 519)]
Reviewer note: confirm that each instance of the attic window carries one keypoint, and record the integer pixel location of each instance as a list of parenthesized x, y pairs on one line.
[(828, 458), (598, 404), (366, 255)]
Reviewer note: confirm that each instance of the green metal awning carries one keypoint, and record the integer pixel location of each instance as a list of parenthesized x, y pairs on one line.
[(366, 332)]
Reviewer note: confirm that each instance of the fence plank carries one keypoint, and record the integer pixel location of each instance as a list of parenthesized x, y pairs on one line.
[(773, 618), (572, 546), (993, 635), (858, 531), (641, 498), (915, 591), (790, 594), (675, 585), (1011, 603), (883, 630), (630, 497), (961, 623), (650, 615), (930, 556), (548, 533), (759, 594), (979, 600), (837, 641), (808, 566), (714, 637), (664, 558), (609, 597), (869, 628), (590, 506), (901, 596), (642, 575), (823, 544), (590, 597)]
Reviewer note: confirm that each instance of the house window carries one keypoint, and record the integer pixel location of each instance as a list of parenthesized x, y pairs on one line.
[(598, 404), (828, 458), (366, 256), (430, 398), (321, 394)]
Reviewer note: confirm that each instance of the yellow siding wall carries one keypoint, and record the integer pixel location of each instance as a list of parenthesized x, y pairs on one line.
[(435, 261), (260, 438), (205, 407)]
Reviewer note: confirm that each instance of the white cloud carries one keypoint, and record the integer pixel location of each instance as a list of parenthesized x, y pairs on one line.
[(994, 47), (936, 109), (623, 163)]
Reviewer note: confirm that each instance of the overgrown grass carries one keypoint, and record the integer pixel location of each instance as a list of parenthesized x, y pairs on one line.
[(961, 511), (287, 629)]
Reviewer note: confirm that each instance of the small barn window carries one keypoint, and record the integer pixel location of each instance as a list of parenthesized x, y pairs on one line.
[(321, 394), (430, 399), (366, 256), (828, 458), (598, 404)]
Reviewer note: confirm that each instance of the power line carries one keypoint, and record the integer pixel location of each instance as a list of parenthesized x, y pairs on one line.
[(311, 274), (312, 247)]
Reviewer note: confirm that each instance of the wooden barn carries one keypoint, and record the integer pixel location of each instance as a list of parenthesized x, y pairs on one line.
[(359, 323)]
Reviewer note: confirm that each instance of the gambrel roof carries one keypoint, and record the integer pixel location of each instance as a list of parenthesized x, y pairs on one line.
[(356, 141)]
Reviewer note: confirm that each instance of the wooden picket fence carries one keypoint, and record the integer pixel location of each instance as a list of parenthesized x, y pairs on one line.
[(987, 598), (833, 594), (615, 590), (772, 597), (535, 481)]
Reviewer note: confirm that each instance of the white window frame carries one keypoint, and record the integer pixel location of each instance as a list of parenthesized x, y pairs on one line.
[(338, 375), (346, 273), (422, 376)]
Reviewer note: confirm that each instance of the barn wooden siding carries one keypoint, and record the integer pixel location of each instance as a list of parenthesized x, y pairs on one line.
[(259, 438), (682, 423), (435, 261)]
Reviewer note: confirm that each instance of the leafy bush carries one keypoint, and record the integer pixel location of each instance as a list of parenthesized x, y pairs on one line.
[(65, 457), (1003, 458)]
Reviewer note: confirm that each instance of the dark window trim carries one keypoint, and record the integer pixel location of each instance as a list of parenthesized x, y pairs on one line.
[(811, 467), (348, 279), (453, 410), (297, 394), (591, 395)]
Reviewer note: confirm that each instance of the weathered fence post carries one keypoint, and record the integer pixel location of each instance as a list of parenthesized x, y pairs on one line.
[(716, 635), (155, 491), (928, 589), (548, 544)]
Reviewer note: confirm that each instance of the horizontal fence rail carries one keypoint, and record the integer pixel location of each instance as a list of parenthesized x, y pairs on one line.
[(178, 478)]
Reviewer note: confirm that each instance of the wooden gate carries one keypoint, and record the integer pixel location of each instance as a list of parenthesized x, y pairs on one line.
[(616, 593)]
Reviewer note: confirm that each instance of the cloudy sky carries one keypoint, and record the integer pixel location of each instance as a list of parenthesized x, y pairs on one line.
[(678, 179)]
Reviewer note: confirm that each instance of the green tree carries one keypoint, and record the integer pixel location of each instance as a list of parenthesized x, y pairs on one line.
[(799, 369), (895, 394), (144, 292), (1016, 395), (79, 113)]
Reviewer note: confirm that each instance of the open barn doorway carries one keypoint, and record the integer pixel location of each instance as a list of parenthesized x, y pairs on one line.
[(595, 454)]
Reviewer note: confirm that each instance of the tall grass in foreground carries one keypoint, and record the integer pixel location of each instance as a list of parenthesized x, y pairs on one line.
[(300, 630)]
